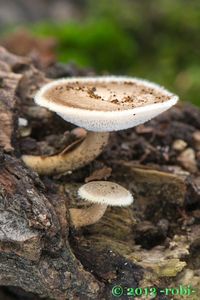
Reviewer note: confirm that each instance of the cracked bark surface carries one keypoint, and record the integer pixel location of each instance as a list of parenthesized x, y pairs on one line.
[(34, 250), (155, 242)]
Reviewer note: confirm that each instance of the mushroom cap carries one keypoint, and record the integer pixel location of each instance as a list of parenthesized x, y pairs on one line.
[(105, 103), (105, 192)]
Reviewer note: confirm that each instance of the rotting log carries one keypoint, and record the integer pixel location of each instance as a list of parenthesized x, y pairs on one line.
[(34, 250), (155, 242)]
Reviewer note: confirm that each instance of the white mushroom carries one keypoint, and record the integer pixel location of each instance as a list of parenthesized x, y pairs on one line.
[(100, 194), (100, 105)]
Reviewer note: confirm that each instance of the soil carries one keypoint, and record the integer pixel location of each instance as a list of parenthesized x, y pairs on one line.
[(156, 241)]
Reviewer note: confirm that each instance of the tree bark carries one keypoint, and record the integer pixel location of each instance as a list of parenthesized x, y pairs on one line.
[(155, 242), (34, 249)]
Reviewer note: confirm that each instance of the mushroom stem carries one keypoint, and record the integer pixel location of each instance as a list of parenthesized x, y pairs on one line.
[(83, 154), (87, 216)]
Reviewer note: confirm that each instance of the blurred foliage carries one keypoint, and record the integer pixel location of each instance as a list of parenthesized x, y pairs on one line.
[(167, 36), (98, 44), (157, 40)]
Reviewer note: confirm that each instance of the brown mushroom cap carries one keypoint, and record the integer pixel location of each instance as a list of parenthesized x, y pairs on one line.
[(105, 103)]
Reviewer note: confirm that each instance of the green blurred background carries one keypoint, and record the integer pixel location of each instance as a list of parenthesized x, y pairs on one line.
[(158, 40)]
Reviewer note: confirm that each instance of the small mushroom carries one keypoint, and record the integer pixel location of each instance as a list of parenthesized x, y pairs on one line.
[(100, 105), (100, 194)]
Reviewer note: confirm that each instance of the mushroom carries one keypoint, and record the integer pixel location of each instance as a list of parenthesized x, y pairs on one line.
[(100, 194), (100, 105)]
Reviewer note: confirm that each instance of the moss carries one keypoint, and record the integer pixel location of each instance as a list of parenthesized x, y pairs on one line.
[(149, 39)]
